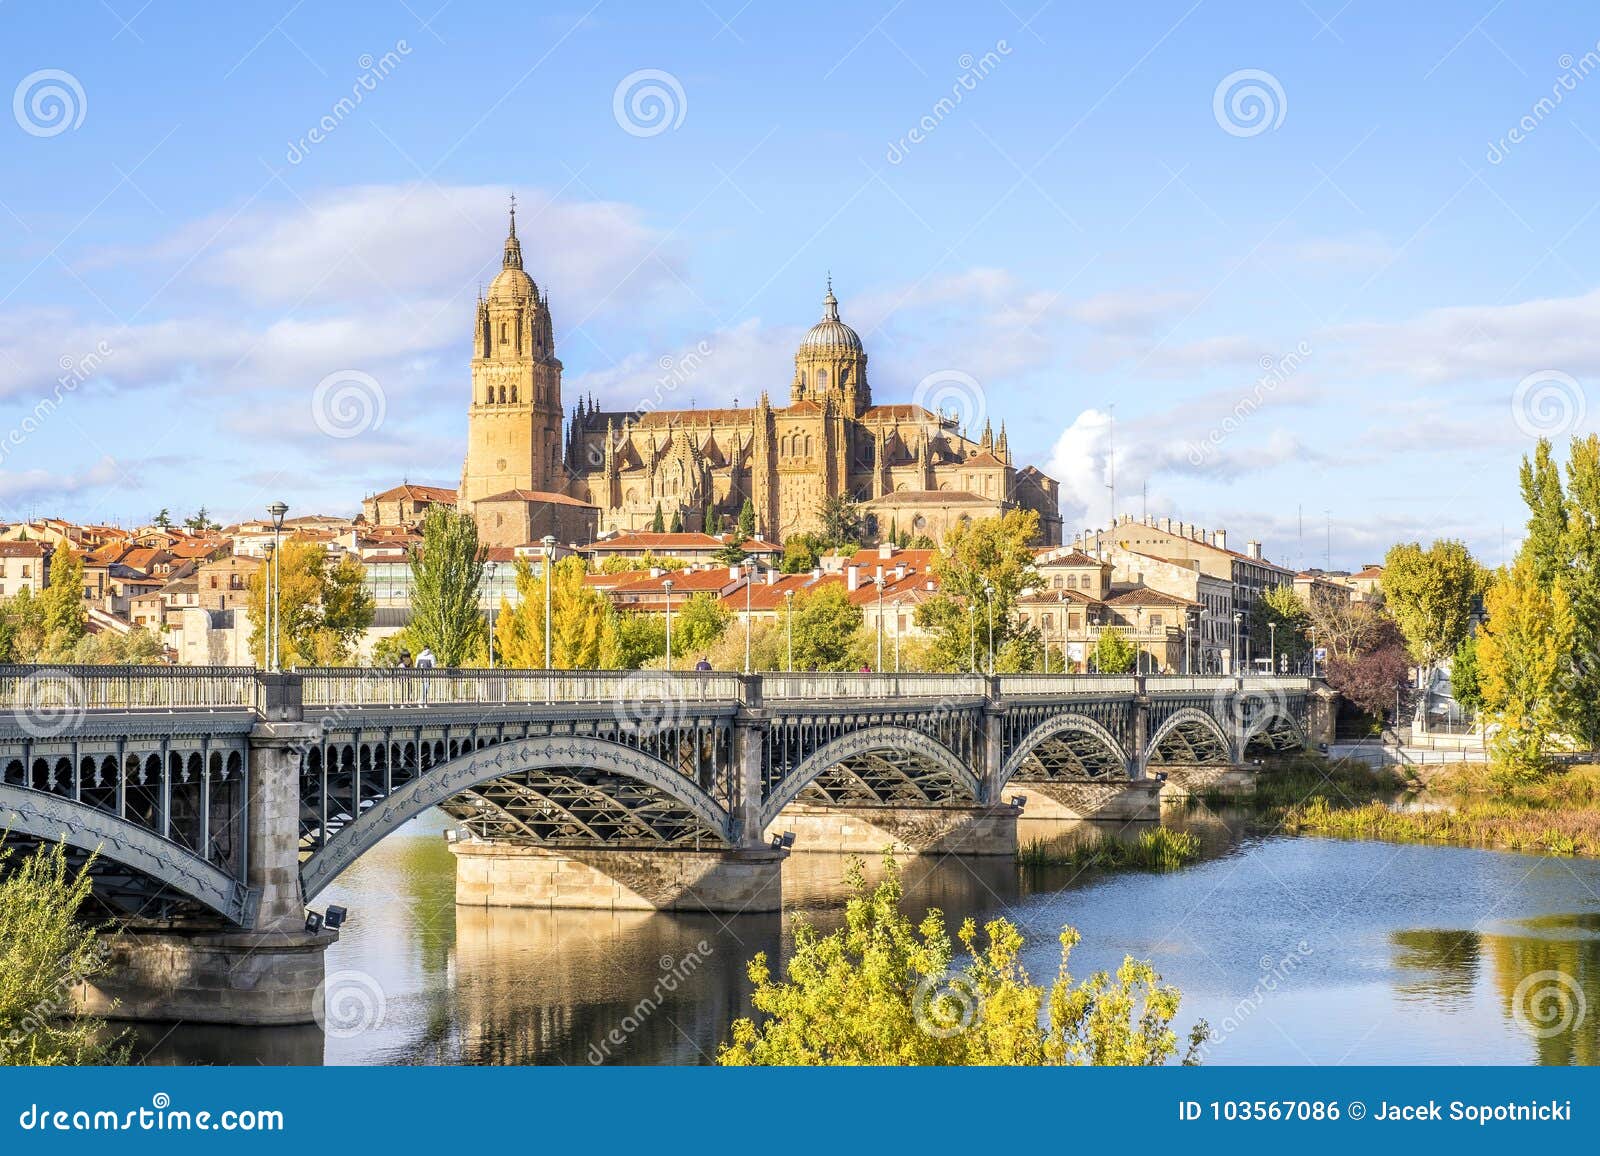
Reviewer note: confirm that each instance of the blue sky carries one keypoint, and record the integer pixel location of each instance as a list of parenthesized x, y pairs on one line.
[(1093, 223)]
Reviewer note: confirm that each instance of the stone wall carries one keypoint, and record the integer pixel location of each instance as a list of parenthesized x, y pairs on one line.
[(1119, 800), (517, 875), (947, 830)]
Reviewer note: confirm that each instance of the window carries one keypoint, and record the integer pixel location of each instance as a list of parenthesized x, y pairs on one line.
[(1074, 622), (1049, 621), (1072, 581), (1057, 582), (27, 570), (1155, 622), (504, 330)]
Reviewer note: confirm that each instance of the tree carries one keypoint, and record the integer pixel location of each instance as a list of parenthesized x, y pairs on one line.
[(641, 638), (677, 522), (1281, 607), (840, 515), (200, 521), (1466, 676), (747, 520), (882, 991), (658, 524), (697, 623), (1547, 515), (321, 609), (47, 949), (163, 519), (1370, 679), (66, 617), (825, 625), (1113, 653), (990, 556), (138, 647), (446, 578), (1522, 651), (1579, 573), (1347, 628), (583, 628), (799, 555), (22, 631), (1431, 594)]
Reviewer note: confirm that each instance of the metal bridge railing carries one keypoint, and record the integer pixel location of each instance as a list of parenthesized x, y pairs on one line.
[(1037, 685), (343, 686), (84, 688), (813, 686)]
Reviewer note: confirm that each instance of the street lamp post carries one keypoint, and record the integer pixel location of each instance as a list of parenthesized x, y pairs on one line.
[(972, 634), (897, 637), (549, 542), (667, 586), (1238, 621), (277, 510), (788, 618), (879, 666), (489, 569), (269, 551), (1272, 644), (1313, 652), (988, 598), (749, 576)]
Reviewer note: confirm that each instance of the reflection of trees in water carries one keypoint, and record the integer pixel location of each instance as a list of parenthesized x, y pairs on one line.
[(1547, 984), (537, 986), (1551, 988), (1441, 965)]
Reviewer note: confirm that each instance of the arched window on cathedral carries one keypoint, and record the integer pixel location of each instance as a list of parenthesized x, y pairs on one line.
[(808, 445), (502, 394), (504, 331), (802, 381), (844, 379), (822, 380), (513, 395)]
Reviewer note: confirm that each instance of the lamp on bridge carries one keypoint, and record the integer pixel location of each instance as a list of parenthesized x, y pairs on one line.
[(334, 917), (783, 842), (313, 921), (1019, 801), (277, 510)]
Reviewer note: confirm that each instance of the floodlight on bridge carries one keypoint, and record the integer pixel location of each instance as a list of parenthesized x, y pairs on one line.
[(783, 842), (334, 917), (1019, 801), (313, 921)]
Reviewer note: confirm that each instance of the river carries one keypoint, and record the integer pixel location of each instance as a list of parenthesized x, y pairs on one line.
[(1297, 950)]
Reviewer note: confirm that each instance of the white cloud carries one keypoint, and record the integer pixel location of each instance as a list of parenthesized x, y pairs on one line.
[(19, 486)]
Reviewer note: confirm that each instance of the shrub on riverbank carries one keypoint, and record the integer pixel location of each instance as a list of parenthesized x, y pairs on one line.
[(1158, 849), (1514, 826), (45, 951), (1299, 779), (881, 990)]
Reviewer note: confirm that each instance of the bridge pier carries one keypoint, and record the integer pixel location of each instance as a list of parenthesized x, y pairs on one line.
[(938, 829), (503, 874), (1118, 800), (1185, 781), (269, 973)]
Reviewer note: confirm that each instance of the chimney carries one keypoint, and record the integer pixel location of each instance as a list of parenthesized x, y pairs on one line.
[(1253, 548), (1220, 539), (885, 550), (816, 573), (772, 577), (1166, 525), (900, 572), (852, 577), (735, 572), (656, 571), (880, 577)]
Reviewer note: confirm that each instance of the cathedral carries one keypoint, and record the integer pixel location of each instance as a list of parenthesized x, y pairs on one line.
[(913, 471)]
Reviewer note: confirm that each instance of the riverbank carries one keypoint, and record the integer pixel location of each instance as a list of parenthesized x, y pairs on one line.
[(1559, 815), (1158, 849)]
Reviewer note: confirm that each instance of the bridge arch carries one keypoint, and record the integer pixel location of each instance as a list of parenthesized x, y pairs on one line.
[(1276, 729), (1048, 743), (127, 847), (568, 756), (872, 747), (1195, 736)]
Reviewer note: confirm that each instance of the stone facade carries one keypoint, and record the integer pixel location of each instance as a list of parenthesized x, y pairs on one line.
[(935, 830), (917, 472)]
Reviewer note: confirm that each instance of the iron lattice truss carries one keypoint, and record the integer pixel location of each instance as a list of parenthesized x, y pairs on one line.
[(884, 776), (1071, 754), (791, 740), (1189, 738), (578, 807), (350, 772), (165, 812)]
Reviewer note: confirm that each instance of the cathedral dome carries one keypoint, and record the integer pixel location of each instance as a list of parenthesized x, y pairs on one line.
[(830, 332), (512, 283)]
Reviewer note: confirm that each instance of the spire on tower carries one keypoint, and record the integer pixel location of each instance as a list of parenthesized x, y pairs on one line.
[(988, 436), (830, 303), (1002, 448), (513, 256)]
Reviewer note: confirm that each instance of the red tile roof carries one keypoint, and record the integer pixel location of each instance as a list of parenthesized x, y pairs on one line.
[(544, 496), (417, 493)]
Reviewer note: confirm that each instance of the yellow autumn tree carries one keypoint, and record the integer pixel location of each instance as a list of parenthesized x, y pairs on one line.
[(882, 991), (1521, 661), (583, 627)]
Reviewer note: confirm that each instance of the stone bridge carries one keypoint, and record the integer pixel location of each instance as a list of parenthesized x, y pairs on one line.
[(218, 801)]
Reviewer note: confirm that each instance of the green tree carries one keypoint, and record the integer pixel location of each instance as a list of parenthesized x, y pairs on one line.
[(1113, 653), (163, 519), (641, 638), (1545, 544), (138, 647), (747, 520), (677, 522), (47, 949), (840, 516), (658, 524), (1579, 573), (66, 616), (983, 562), (1431, 595), (799, 555), (1522, 651), (883, 991), (826, 626), (697, 623), (200, 521), (22, 629), (1466, 676), (1280, 607), (446, 580)]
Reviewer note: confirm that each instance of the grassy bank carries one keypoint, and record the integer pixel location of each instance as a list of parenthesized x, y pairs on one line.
[(1301, 779), (1158, 849), (1558, 815)]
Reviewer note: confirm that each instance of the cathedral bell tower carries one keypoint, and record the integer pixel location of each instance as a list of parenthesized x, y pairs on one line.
[(514, 419)]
